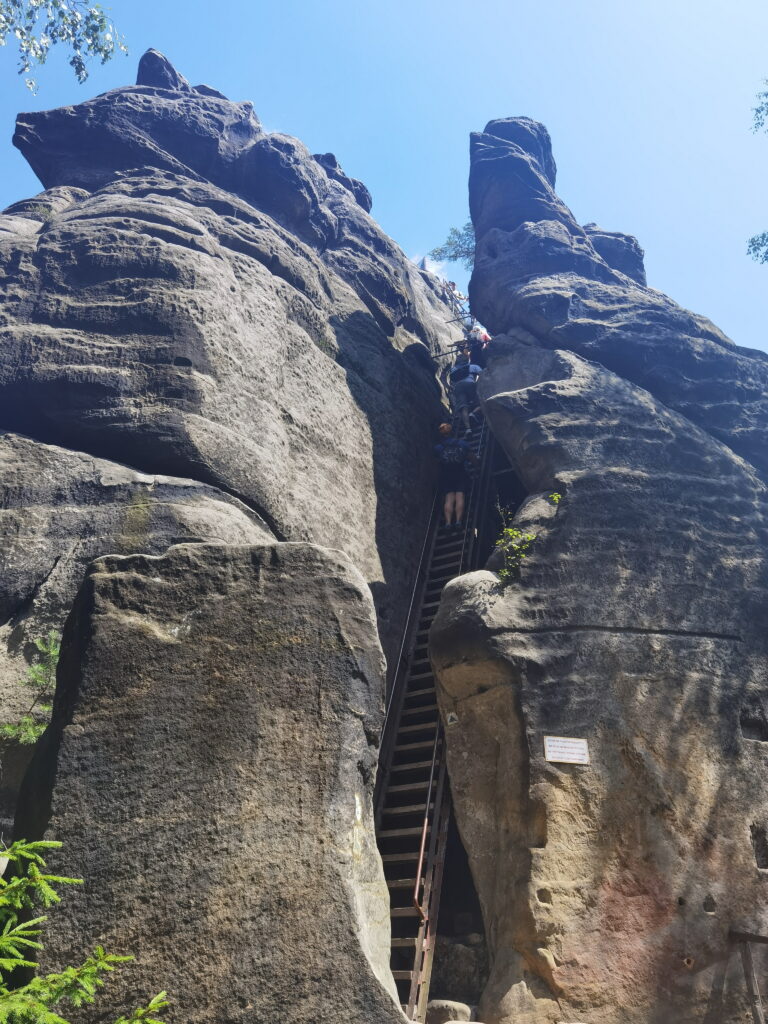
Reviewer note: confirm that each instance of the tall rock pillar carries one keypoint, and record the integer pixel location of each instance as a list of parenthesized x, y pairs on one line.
[(209, 771)]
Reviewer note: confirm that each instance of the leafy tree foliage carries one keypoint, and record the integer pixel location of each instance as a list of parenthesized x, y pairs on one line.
[(37, 25), (38, 1001), (459, 246), (41, 679), (757, 246)]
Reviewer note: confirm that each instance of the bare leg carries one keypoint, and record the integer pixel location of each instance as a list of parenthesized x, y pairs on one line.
[(450, 499), (459, 506)]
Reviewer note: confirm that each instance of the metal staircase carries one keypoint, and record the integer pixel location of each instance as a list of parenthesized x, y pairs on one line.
[(413, 805)]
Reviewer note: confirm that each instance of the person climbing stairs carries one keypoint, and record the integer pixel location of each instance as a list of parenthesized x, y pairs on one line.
[(413, 807)]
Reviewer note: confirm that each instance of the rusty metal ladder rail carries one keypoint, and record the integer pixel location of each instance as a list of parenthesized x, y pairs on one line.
[(430, 901), (412, 787), (395, 699), (744, 941)]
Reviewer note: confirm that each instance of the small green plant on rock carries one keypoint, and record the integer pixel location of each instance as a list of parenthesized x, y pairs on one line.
[(513, 544), (37, 1001), (555, 497), (41, 679)]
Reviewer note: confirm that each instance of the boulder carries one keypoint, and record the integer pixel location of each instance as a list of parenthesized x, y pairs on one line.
[(444, 1011), (460, 968), (209, 770), (609, 889)]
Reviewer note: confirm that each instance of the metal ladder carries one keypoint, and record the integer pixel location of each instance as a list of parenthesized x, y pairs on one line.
[(413, 805), (744, 941)]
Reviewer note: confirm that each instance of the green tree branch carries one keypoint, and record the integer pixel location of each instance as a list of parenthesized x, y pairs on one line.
[(459, 247), (36, 25)]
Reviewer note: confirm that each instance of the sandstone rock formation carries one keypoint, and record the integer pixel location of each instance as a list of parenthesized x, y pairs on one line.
[(638, 623), (209, 770), (195, 297), (60, 509), (537, 269)]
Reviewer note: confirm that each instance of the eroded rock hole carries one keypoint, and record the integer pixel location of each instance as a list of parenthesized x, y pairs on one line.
[(182, 361), (759, 845), (753, 721), (460, 967), (709, 906)]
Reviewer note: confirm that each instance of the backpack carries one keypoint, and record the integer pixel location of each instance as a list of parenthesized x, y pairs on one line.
[(459, 373), (453, 453)]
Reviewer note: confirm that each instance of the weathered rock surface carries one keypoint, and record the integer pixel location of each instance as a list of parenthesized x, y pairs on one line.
[(59, 510), (583, 289), (193, 296), (638, 623), (209, 770), (460, 968), (620, 251), (444, 1011)]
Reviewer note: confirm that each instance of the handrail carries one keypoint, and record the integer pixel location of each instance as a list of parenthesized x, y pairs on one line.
[(747, 937), (425, 829), (407, 628), (744, 940)]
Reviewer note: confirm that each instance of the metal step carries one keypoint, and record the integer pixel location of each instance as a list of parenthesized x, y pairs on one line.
[(400, 833), (401, 883), (403, 975), (422, 745), (404, 912), (424, 692), (410, 767), (410, 787), (392, 858), (406, 809), (420, 727), (401, 943), (419, 709), (443, 561)]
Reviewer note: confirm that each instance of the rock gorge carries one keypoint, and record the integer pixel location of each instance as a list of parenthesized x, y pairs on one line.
[(218, 396)]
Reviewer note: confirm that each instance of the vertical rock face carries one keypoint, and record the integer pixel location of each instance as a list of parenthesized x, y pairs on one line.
[(193, 296), (59, 509), (637, 622), (209, 770)]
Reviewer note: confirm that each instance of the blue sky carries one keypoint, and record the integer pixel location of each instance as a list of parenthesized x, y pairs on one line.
[(648, 104)]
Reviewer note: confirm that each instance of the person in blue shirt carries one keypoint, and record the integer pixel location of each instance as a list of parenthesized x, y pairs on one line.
[(453, 455)]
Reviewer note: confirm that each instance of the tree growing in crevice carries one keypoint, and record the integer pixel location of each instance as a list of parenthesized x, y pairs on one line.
[(459, 247), (757, 246), (41, 681)]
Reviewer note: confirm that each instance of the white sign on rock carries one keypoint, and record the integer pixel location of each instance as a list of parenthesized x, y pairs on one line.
[(566, 750)]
